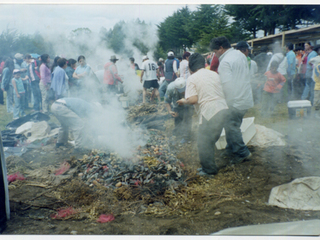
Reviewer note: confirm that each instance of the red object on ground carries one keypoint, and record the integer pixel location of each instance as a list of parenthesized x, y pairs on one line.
[(64, 212), (15, 176), (181, 164), (63, 168), (105, 218), (138, 182), (105, 168)]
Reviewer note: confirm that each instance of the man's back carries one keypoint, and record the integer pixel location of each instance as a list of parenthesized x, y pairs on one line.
[(235, 78)]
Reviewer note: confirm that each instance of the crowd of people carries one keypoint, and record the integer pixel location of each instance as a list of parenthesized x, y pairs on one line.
[(220, 88)]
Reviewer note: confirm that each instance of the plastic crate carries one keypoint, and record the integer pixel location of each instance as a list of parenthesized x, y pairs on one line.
[(299, 109)]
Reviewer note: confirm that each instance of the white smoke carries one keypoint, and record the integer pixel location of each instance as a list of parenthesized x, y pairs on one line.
[(109, 126)]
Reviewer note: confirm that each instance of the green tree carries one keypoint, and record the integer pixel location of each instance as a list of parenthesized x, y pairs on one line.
[(174, 31)]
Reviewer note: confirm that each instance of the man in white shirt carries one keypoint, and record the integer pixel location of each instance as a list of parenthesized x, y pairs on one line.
[(150, 71), (204, 91), (235, 78)]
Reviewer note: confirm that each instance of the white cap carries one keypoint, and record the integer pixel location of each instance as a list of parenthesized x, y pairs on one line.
[(145, 57), (180, 84), (170, 54)]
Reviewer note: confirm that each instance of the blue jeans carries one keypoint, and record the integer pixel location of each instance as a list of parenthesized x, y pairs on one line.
[(18, 105), (163, 88), (10, 99), (36, 95), (309, 88), (234, 139)]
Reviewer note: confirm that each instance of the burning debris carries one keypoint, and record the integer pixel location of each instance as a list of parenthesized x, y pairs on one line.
[(153, 169)]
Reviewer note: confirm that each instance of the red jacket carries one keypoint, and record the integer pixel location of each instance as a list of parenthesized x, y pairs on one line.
[(214, 63), (274, 82), (111, 74)]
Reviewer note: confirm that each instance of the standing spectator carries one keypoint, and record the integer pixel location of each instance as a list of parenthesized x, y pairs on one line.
[(205, 91), (1, 92), (34, 77), (19, 91), (134, 65), (170, 73), (279, 57), (273, 85), (309, 87), (291, 70), (45, 80), (73, 83), (235, 78), (182, 113), (111, 77), (6, 84), (82, 71), (150, 70), (55, 63), (298, 84), (184, 68), (58, 80), (26, 83), (214, 64), (262, 60), (161, 69), (316, 78)]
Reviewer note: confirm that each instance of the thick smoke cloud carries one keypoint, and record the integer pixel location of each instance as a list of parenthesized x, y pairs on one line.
[(109, 125)]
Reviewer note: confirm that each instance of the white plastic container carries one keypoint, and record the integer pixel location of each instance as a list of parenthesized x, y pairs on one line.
[(124, 101), (248, 130), (299, 109)]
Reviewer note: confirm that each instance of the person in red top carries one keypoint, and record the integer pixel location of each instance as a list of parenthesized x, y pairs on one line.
[(272, 87), (214, 63), (111, 77)]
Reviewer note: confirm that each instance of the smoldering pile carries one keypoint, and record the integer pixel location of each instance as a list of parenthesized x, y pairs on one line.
[(153, 168)]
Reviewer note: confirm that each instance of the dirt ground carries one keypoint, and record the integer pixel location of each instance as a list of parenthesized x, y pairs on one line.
[(236, 196)]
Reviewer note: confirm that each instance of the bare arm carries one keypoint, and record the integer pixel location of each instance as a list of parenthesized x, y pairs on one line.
[(142, 72), (191, 100)]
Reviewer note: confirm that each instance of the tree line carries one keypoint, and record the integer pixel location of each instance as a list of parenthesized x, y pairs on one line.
[(183, 29)]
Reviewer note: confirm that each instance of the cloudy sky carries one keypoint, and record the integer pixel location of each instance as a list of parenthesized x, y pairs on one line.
[(51, 18), (63, 16)]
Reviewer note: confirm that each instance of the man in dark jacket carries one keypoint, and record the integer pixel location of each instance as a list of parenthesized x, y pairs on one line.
[(170, 72)]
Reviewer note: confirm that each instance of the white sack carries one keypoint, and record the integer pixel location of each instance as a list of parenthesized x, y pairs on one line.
[(300, 194)]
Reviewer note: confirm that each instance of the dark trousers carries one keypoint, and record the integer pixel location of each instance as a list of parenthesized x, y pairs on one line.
[(26, 95), (234, 138), (1, 96), (208, 134), (36, 95), (183, 122)]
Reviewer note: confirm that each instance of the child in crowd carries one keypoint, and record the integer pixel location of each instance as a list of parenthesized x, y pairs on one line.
[(19, 92), (272, 87)]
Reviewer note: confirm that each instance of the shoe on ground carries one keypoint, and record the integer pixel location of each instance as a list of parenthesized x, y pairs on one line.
[(59, 145), (204, 174), (241, 159)]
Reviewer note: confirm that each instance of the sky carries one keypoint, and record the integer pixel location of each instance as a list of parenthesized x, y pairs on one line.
[(51, 18), (64, 16)]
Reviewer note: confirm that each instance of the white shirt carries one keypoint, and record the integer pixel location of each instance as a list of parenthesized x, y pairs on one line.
[(150, 70), (184, 69), (207, 86), (235, 78)]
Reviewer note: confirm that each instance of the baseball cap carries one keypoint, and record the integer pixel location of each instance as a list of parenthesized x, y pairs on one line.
[(16, 71), (180, 84), (18, 56), (243, 44), (170, 54), (144, 57)]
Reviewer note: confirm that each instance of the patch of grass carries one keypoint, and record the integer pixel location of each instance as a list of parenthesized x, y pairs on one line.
[(5, 117)]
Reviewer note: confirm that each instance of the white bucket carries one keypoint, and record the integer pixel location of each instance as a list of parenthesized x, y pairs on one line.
[(124, 101)]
